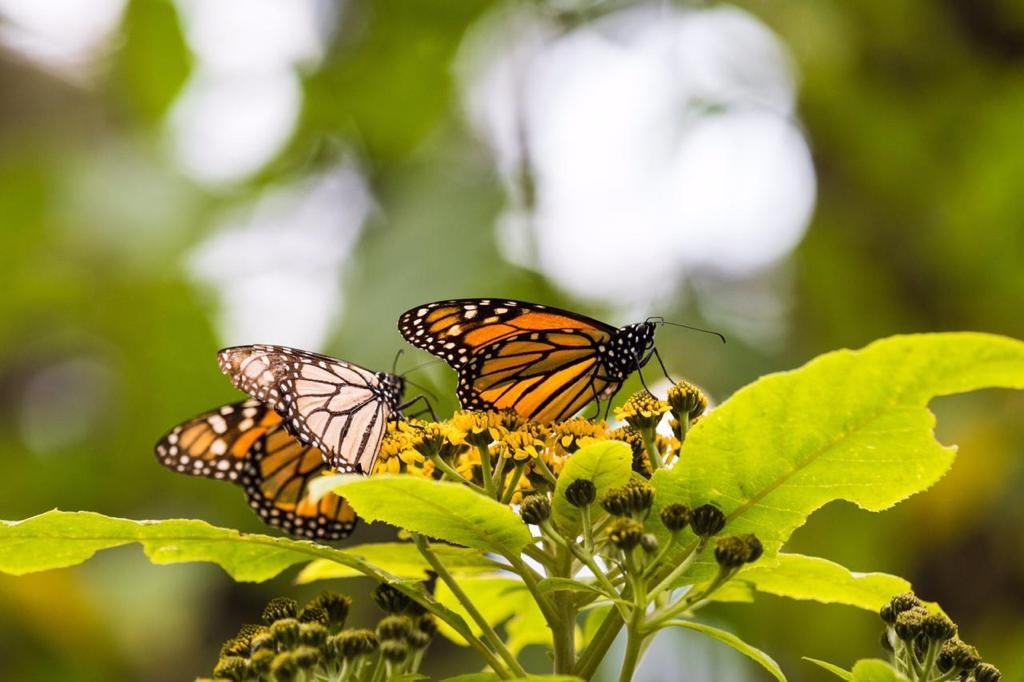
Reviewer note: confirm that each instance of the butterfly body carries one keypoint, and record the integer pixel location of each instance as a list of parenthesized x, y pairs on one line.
[(246, 444), (338, 407), (543, 362)]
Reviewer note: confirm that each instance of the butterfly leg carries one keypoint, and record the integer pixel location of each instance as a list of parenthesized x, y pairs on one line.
[(662, 364), (427, 407)]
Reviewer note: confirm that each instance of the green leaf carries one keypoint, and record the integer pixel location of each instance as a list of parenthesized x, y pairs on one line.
[(438, 509), (593, 620), (57, 539), (497, 599), (758, 656), (607, 463), (400, 559), (875, 670), (831, 667), (806, 577), (849, 425)]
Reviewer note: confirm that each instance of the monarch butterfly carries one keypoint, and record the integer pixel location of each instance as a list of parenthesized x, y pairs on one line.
[(542, 362), (334, 406), (245, 443)]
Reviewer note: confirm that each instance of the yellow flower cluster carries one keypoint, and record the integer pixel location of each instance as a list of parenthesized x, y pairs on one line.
[(521, 457)]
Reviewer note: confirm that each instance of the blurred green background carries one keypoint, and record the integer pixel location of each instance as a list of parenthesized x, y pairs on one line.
[(176, 177)]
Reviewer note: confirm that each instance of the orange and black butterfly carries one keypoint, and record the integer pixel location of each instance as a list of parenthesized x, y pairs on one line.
[(543, 362), (246, 443)]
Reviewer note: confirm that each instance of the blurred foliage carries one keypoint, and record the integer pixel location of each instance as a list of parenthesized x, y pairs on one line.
[(913, 112)]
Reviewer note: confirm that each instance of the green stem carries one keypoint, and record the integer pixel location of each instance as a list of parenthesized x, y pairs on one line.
[(689, 601), (454, 475), (539, 555), (929, 659), (510, 489), (489, 634), (652, 449), (564, 643), (590, 658), (635, 632), (542, 469), (659, 557), (588, 530), (683, 566), (485, 469), (632, 657)]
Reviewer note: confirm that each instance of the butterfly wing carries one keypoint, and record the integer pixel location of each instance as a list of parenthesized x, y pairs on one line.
[(455, 330), (277, 477), (335, 406), (544, 376), (215, 444)]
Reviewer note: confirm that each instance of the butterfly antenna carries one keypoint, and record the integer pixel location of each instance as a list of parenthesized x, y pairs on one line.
[(662, 320), (420, 366), (394, 365)]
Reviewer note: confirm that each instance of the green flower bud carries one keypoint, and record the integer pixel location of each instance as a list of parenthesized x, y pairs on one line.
[(394, 650), (731, 551), (284, 668), (313, 614), (417, 639), (312, 634), (236, 646), (250, 630), (957, 655), (306, 657), (887, 614), (986, 672), (278, 608), (264, 641), (632, 498), (707, 520), (260, 662), (353, 643), (427, 624), (232, 668), (390, 599), (903, 602), (625, 533), (336, 606), (581, 492), (649, 541), (285, 632), (686, 399), (676, 517), (938, 627), (393, 627), (535, 509), (910, 623)]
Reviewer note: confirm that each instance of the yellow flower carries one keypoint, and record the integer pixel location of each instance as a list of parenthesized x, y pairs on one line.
[(686, 399), (479, 428), (635, 441), (574, 433), (642, 411), (438, 438), (521, 445)]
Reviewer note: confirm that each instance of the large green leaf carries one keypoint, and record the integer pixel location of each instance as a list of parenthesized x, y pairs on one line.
[(438, 509), (607, 463), (57, 539), (876, 670), (805, 577), (400, 559), (725, 637), (849, 425)]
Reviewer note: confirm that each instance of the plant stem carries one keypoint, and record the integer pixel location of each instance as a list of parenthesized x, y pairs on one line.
[(542, 469), (683, 566), (633, 641), (485, 469), (593, 654), (510, 489), (564, 643), (652, 449), (454, 475), (489, 634)]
